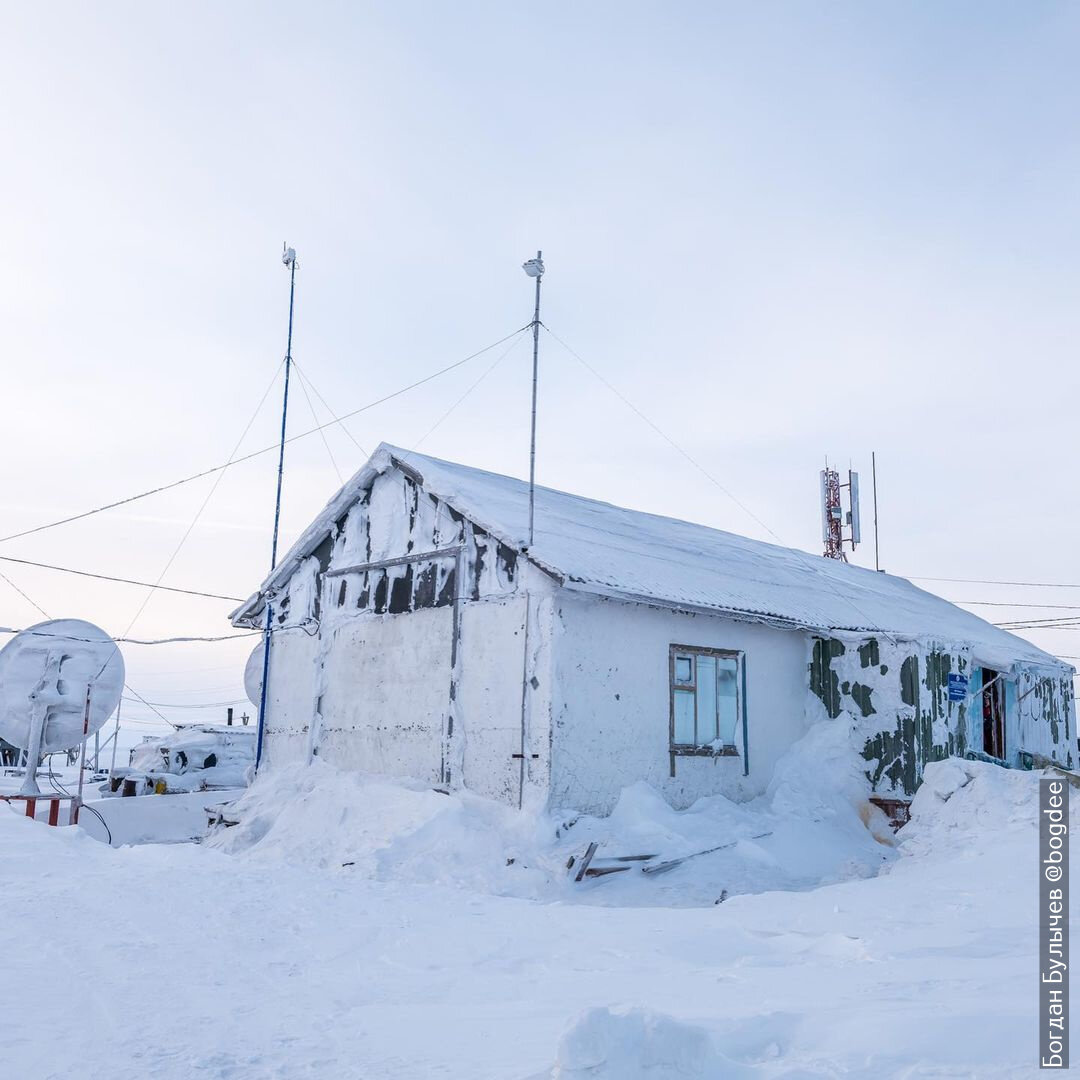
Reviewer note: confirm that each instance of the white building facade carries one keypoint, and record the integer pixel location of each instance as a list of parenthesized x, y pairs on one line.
[(415, 634)]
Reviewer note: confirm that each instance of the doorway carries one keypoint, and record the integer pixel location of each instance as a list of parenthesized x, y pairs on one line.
[(993, 712)]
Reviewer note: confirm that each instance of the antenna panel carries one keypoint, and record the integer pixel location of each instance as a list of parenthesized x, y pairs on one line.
[(853, 494)]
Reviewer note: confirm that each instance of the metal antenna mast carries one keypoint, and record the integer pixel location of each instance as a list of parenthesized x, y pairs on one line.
[(288, 257), (877, 556), (535, 269)]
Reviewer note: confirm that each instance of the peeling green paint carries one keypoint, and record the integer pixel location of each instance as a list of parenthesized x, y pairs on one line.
[(909, 681), (861, 696), (824, 682), (902, 733), (895, 755)]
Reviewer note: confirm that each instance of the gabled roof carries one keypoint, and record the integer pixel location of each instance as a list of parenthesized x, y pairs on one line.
[(594, 547)]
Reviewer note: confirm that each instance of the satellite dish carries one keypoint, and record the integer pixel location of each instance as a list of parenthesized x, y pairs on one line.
[(253, 674), (46, 672)]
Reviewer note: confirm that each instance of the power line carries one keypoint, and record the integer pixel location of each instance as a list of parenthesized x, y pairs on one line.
[(1009, 603), (265, 450), (322, 434), (431, 430), (986, 581), (209, 495), (133, 641), (326, 405), (196, 705), (1058, 620), (108, 577), (146, 721), (810, 560), (24, 596)]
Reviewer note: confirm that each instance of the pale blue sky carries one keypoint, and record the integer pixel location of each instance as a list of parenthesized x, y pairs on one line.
[(783, 230)]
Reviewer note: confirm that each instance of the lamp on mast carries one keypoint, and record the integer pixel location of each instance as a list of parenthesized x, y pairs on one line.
[(534, 268), (288, 257)]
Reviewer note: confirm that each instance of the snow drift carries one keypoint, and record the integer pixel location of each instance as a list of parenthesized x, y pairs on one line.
[(637, 1044), (807, 831)]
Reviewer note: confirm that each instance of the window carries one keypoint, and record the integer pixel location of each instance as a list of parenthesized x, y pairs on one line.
[(706, 700)]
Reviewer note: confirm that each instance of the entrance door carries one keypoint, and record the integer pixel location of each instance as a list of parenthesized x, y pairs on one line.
[(993, 709)]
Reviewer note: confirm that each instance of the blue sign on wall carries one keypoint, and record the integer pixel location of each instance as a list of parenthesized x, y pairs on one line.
[(958, 686)]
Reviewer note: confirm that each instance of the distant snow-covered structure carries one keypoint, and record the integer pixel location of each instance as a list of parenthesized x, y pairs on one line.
[(417, 634), (194, 757)]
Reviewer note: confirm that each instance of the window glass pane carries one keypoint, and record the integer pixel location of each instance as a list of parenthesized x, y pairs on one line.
[(684, 669), (706, 700), (684, 717), (727, 701)]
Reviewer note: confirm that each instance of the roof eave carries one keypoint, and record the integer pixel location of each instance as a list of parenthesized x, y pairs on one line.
[(340, 504)]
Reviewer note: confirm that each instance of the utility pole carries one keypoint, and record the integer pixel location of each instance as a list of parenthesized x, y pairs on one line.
[(873, 468), (535, 269), (288, 257), (116, 739)]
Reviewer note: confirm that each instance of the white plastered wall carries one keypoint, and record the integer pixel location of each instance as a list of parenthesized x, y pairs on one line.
[(610, 712), (289, 698)]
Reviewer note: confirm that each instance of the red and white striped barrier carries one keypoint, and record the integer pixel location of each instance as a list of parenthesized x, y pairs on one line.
[(53, 814)]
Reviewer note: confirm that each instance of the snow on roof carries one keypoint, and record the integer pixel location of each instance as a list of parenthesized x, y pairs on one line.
[(595, 547)]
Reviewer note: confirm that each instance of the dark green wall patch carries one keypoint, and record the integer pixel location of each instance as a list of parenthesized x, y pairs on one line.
[(870, 653), (909, 681), (824, 682), (861, 696)]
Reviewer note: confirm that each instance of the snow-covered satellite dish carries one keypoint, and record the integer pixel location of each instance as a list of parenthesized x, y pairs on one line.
[(253, 674), (44, 674)]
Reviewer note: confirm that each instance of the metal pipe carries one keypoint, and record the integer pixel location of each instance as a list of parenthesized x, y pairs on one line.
[(82, 757), (290, 260), (401, 560), (745, 718), (453, 720), (535, 369), (116, 740), (524, 698)]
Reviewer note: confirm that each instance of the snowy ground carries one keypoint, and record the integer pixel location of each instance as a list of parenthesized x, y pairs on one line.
[(274, 960)]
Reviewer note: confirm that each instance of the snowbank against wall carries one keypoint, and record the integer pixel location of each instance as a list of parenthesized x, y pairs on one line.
[(805, 832)]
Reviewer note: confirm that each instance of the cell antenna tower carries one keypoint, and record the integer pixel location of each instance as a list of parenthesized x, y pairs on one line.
[(833, 518)]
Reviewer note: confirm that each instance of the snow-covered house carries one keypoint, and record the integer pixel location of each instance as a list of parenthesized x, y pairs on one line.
[(417, 635)]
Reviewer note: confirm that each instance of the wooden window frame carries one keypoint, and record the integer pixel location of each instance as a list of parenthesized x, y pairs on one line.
[(685, 749)]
